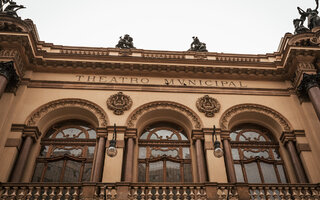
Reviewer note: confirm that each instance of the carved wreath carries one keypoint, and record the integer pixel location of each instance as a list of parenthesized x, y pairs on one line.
[(208, 105), (119, 103)]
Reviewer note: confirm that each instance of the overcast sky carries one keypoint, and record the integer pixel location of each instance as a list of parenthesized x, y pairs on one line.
[(228, 26)]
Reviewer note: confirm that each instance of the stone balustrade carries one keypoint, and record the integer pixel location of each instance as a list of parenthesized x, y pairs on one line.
[(148, 191)]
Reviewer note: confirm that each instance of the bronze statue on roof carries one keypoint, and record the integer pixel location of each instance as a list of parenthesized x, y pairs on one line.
[(311, 15), (9, 7), (125, 43), (196, 45)]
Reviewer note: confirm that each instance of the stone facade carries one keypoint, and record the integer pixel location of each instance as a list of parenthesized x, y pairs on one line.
[(134, 88)]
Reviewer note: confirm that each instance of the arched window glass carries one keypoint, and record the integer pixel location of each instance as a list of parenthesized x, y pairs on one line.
[(164, 154), (256, 155), (66, 154)]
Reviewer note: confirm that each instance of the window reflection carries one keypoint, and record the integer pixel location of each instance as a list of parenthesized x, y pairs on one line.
[(165, 161), (255, 155), (66, 154)]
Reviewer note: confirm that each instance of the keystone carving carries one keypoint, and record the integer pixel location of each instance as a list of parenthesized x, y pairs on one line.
[(208, 105), (119, 103)]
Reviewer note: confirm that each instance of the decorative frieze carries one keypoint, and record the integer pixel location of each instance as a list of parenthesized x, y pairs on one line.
[(119, 103), (208, 105)]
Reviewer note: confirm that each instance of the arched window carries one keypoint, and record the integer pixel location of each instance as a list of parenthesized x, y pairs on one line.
[(67, 152), (164, 154), (256, 155)]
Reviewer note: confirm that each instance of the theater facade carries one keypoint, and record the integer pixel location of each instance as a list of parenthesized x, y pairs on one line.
[(129, 123)]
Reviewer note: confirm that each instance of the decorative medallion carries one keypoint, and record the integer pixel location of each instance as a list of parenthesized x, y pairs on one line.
[(119, 103), (208, 105)]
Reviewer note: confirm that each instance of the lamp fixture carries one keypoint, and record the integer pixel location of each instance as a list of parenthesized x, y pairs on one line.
[(218, 152), (112, 149)]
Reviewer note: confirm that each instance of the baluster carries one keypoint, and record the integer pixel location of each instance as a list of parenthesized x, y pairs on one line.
[(45, 193), (51, 194), (198, 193), (254, 193), (275, 192), (37, 194), (5, 194), (157, 195), (59, 194), (115, 193), (281, 194), (20, 193), (149, 195), (178, 194), (295, 193), (75, 193), (185, 194), (134, 193), (203, 194), (170, 195), (108, 191), (288, 195), (143, 194), (301, 193), (261, 193), (307, 193), (67, 194), (268, 193), (315, 193), (192, 195), (29, 194), (234, 194)]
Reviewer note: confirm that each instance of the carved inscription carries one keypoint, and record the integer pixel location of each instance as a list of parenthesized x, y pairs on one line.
[(163, 81)]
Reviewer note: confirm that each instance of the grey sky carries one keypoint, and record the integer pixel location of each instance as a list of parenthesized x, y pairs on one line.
[(228, 26)]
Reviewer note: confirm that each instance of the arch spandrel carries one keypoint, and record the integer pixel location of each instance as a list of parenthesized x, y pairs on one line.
[(166, 107), (255, 113), (64, 109)]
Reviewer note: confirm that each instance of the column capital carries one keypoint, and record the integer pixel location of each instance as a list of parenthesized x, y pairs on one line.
[(308, 81), (102, 132), (26, 131), (8, 71), (287, 136), (131, 133), (197, 135)]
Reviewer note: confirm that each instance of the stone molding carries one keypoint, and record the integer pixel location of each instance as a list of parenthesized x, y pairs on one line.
[(40, 112), (237, 109), (208, 105), (119, 103), (194, 118), (26, 131)]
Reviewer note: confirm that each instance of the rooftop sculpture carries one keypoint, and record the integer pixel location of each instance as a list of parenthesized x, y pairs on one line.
[(311, 15), (125, 43), (196, 45), (10, 7)]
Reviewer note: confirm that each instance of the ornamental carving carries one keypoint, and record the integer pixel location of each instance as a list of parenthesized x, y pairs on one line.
[(208, 105), (39, 113), (119, 103), (194, 118), (235, 110)]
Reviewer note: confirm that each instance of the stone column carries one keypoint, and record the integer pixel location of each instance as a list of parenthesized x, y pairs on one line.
[(309, 86), (99, 160), (129, 160), (297, 165), (7, 73), (202, 174), (288, 139), (228, 159), (20, 164)]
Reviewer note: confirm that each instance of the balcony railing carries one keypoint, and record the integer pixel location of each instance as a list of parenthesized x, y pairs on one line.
[(154, 191)]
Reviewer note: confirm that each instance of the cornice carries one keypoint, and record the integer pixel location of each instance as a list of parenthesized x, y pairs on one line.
[(47, 57)]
